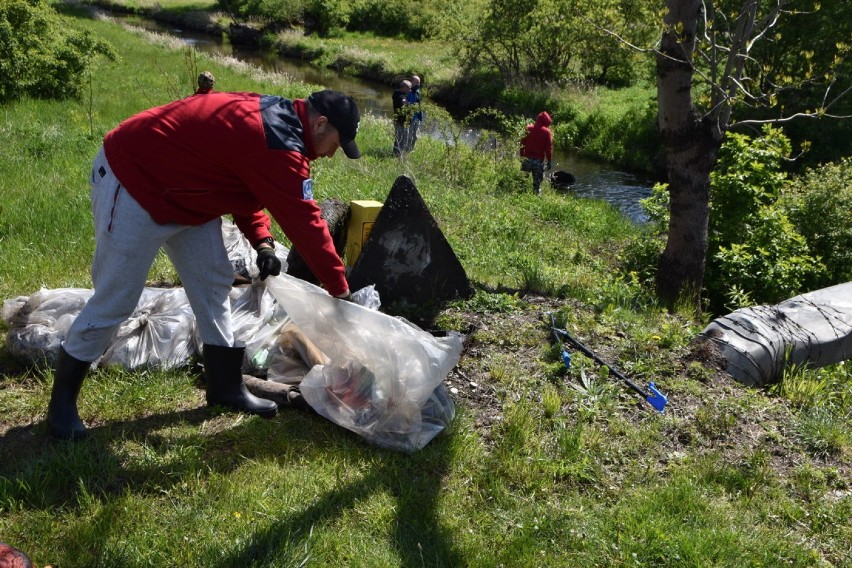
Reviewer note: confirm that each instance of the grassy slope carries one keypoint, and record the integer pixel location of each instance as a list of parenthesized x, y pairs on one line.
[(536, 470), (587, 118)]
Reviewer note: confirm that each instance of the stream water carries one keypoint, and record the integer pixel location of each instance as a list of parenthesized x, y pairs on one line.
[(595, 180)]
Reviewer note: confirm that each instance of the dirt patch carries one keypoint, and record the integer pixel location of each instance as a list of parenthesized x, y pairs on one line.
[(471, 383), (707, 353)]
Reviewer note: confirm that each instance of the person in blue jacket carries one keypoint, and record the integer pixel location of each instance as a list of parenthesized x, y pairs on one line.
[(414, 99), (400, 118)]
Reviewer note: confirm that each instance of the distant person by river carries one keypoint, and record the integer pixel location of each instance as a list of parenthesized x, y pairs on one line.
[(401, 118), (414, 99), (537, 149)]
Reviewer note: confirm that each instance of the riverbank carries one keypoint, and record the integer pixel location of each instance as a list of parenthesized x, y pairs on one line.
[(613, 126), (382, 60)]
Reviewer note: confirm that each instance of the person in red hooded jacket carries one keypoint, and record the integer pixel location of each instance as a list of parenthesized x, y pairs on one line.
[(537, 149), (163, 179)]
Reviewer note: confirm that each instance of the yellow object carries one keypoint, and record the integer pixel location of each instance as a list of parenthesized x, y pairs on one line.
[(362, 215)]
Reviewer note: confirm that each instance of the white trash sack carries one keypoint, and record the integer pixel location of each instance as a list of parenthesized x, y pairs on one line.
[(39, 323), (158, 333)]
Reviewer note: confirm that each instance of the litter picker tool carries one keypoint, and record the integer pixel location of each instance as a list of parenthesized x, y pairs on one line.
[(566, 356), (654, 397)]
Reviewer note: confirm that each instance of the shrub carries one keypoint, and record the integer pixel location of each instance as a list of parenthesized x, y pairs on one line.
[(39, 57), (412, 20), (755, 254), (748, 175), (291, 12), (626, 135), (381, 17), (772, 263), (819, 204)]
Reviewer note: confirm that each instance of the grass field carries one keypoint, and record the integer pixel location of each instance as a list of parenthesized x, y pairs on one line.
[(543, 466)]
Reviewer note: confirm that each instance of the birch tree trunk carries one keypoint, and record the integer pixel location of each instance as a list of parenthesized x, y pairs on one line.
[(692, 144)]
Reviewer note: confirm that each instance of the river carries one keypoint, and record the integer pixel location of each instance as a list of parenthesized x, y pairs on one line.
[(595, 180)]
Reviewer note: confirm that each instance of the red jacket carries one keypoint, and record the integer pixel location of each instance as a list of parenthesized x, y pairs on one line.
[(538, 142), (216, 154)]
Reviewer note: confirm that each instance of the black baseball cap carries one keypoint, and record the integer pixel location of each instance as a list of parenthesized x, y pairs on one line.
[(342, 112)]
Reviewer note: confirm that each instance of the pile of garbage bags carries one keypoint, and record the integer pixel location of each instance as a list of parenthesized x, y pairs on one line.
[(376, 375), (160, 333)]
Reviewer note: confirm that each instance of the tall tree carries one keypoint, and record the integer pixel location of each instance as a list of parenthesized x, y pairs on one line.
[(552, 40), (705, 70)]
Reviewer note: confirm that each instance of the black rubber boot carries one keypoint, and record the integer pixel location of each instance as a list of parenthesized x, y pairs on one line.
[(62, 417), (223, 370)]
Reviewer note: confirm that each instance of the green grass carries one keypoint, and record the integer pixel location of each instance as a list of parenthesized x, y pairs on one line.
[(543, 466), (379, 58), (176, 6), (613, 125)]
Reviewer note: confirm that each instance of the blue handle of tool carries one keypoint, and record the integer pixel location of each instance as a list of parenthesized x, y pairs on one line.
[(656, 399)]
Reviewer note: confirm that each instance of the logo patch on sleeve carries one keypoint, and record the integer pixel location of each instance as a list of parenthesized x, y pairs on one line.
[(308, 189)]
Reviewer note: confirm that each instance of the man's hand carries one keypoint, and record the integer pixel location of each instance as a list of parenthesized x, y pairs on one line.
[(268, 263)]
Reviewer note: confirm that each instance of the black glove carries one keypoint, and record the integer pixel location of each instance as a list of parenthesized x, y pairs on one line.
[(268, 263)]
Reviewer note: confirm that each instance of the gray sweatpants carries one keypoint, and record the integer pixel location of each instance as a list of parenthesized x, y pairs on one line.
[(400, 139), (126, 243)]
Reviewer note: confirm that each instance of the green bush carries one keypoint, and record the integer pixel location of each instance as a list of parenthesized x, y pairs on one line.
[(771, 264), (39, 57), (291, 12), (408, 19), (381, 17), (755, 254), (819, 204), (286, 12)]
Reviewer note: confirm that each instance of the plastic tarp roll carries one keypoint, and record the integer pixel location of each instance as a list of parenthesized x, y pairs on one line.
[(759, 342)]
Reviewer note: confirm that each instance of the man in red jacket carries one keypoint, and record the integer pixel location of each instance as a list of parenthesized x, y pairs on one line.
[(163, 179), (537, 149)]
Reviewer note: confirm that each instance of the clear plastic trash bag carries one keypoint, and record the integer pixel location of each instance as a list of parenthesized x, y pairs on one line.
[(383, 376), (39, 323), (293, 355), (257, 319), (159, 333), (242, 255), (367, 297)]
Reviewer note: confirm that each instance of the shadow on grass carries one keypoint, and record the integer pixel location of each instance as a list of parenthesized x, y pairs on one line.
[(418, 537), (40, 473)]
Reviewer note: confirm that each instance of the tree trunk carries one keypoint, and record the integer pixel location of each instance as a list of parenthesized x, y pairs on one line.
[(691, 150)]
